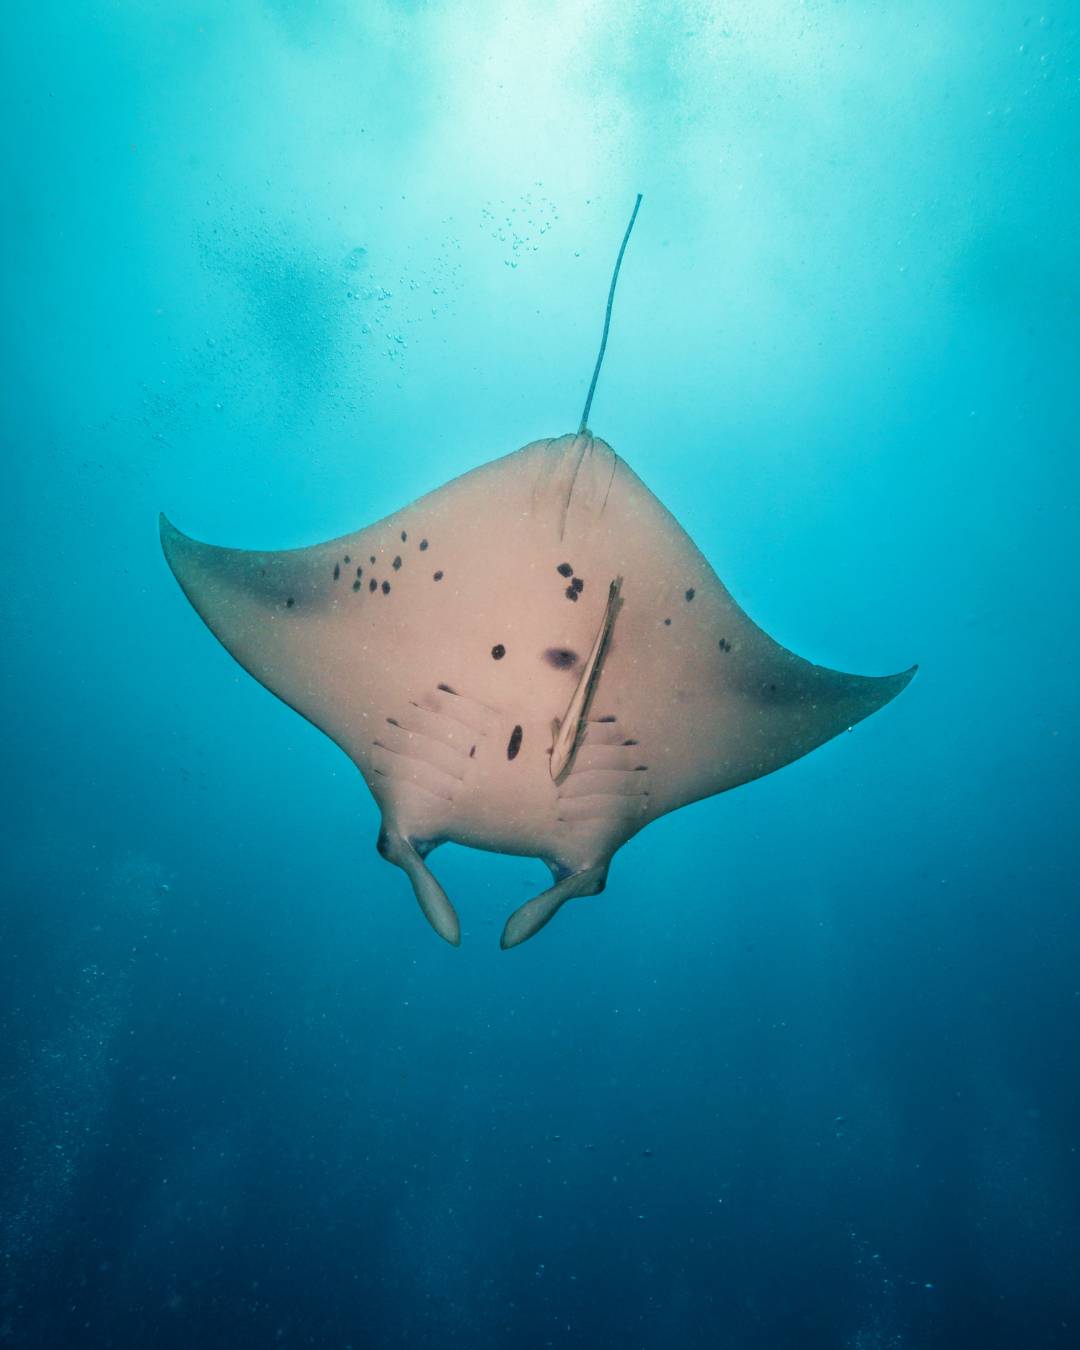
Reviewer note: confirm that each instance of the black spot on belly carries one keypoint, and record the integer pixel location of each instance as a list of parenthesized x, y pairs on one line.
[(404, 536), (472, 752), (437, 577), (513, 745), (347, 558), (565, 570), (690, 593), (498, 652), (667, 623), (445, 689), (337, 571), (562, 658), (289, 603), (576, 584), (356, 584), (386, 588), (629, 742), (373, 585), (359, 571), (396, 563), (372, 558), (571, 594), (724, 645), (609, 718), (423, 545)]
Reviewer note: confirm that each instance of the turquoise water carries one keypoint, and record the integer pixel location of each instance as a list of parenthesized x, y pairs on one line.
[(805, 1074)]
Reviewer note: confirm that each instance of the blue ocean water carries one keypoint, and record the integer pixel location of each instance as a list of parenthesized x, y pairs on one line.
[(806, 1074)]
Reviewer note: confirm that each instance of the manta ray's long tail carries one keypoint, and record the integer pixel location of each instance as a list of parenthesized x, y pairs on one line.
[(607, 318)]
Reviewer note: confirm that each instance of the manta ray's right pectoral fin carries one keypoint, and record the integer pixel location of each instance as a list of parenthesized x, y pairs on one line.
[(542, 908), (438, 910)]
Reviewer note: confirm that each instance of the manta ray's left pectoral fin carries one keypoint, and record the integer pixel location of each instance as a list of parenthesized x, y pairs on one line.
[(438, 910), (542, 908)]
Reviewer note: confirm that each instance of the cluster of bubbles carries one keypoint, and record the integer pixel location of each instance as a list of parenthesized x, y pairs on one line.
[(302, 334), (303, 326), (1039, 67), (520, 225), (875, 1336), (885, 1293), (415, 296), (282, 313), (309, 328)]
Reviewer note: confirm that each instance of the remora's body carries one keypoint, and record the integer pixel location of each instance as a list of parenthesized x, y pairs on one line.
[(448, 680)]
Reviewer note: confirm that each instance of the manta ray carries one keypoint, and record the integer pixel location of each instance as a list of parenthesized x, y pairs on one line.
[(533, 659)]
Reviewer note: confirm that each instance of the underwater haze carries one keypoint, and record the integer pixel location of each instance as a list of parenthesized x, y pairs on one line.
[(805, 1076)]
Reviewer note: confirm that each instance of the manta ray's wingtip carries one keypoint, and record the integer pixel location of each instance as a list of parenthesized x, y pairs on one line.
[(875, 692), (177, 547), (169, 535), (882, 689), (904, 677)]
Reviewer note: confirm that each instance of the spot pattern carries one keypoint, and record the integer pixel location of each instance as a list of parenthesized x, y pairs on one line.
[(724, 645), (498, 652), (289, 602), (423, 545), (396, 563), (404, 536), (356, 584), (571, 594), (690, 593), (373, 585), (386, 588), (561, 658), (565, 570), (437, 577), (514, 743), (337, 571)]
